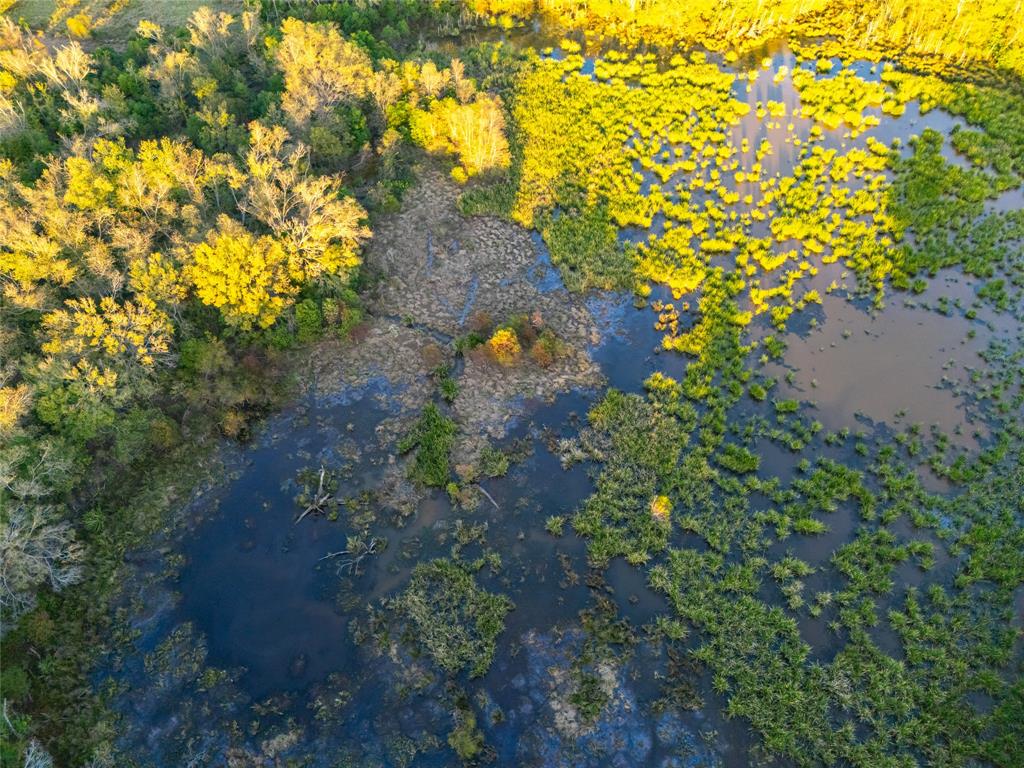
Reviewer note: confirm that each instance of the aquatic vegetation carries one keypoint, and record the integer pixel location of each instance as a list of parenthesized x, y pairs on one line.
[(432, 437), (585, 247), (942, 206), (494, 462), (754, 650), (607, 641), (620, 518), (555, 525), (446, 384), (713, 193), (466, 738), (841, 99), (451, 617), (983, 33)]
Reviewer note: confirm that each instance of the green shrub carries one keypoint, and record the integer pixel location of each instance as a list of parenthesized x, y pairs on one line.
[(309, 322)]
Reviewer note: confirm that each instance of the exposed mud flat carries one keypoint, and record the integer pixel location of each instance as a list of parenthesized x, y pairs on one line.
[(441, 273)]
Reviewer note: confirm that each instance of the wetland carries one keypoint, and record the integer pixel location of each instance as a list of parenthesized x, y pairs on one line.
[(671, 415)]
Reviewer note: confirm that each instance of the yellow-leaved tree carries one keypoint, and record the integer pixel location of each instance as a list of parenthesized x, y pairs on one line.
[(245, 277), (321, 70), (475, 131), (128, 338), (320, 228), (82, 225)]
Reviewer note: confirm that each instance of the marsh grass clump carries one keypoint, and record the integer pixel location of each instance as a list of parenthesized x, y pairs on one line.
[(645, 443), (607, 641), (584, 245), (494, 462), (555, 525), (455, 621), (432, 437), (738, 459), (447, 385), (466, 738)]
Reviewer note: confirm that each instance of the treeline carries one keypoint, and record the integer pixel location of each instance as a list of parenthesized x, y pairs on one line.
[(175, 215), (968, 31)]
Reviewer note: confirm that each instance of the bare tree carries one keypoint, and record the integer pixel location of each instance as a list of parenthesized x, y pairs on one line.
[(36, 756), (357, 549), (36, 549), (319, 500)]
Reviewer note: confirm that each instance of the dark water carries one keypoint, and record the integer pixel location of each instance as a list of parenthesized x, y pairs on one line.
[(251, 592)]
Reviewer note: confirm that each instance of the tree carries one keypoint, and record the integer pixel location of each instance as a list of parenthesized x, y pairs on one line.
[(128, 338), (15, 402), (158, 279), (30, 260), (465, 88), (36, 756), (320, 229), (474, 131), (321, 70), (91, 215), (386, 88), (30, 67), (36, 549), (243, 276), (477, 132), (433, 80)]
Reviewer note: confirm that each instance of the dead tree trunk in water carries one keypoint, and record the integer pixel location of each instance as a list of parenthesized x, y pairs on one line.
[(319, 499)]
